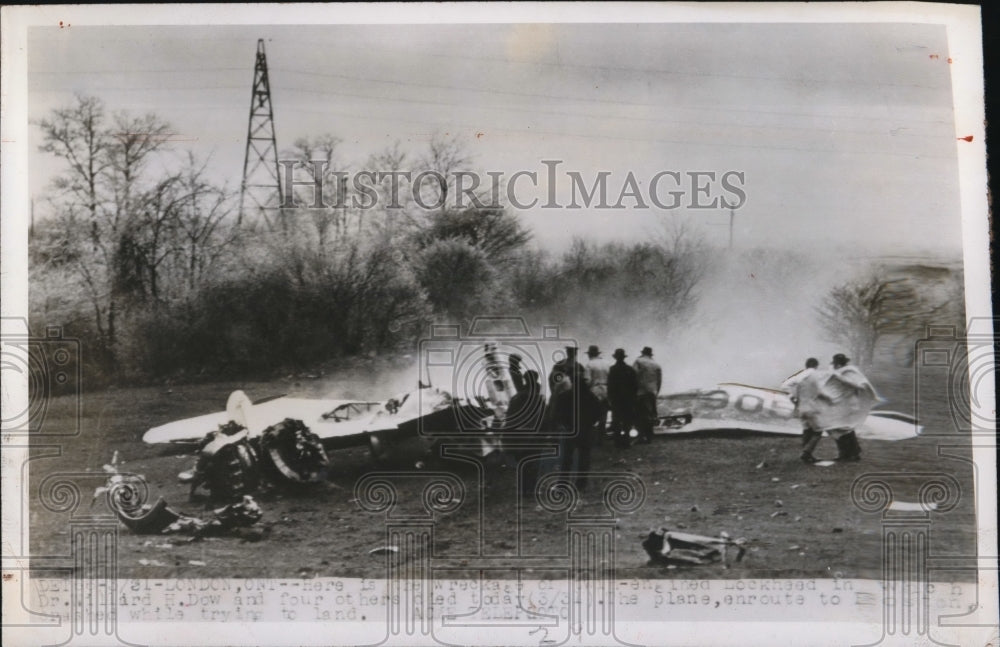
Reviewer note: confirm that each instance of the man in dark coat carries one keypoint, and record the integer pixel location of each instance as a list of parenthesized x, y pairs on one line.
[(525, 415), (622, 389), (650, 377), (527, 406), (516, 372), (597, 378), (571, 414)]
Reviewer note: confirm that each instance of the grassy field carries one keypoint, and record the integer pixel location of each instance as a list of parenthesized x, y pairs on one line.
[(703, 485)]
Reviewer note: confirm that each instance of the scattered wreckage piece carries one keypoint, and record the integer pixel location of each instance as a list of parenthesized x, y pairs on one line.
[(126, 492), (677, 548), (232, 463), (160, 519), (148, 520)]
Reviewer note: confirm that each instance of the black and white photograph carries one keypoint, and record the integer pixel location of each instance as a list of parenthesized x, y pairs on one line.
[(628, 324)]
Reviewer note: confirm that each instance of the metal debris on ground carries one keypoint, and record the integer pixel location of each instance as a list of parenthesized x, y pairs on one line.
[(151, 562), (160, 519), (122, 483), (675, 548), (382, 550), (122, 492)]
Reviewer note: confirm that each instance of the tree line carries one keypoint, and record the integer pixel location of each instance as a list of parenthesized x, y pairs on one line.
[(142, 256)]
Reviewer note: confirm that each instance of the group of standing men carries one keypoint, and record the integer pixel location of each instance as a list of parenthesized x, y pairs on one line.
[(581, 395), (629, 392)]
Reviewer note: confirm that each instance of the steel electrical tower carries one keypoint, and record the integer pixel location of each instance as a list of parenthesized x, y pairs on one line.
[(260, 191)]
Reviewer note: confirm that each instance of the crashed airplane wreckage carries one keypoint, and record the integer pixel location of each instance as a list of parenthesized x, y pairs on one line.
[(285, 439), (242, 453)]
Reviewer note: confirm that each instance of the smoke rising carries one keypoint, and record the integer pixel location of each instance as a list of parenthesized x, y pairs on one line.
[(753, 321)]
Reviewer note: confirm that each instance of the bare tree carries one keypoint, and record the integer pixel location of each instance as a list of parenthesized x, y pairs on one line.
[(860, 312), (684, 262), (118, 222), (445, 156), (203, 236), (319, 155), (395, 197), (77, 135)]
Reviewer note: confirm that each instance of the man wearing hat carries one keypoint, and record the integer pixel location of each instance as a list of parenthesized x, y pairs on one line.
[(622, 389), (567, 373), (855, 387), (597, 375), (837, 401), (650, 378)]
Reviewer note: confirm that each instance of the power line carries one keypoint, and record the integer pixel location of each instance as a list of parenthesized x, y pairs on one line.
[(559, 113), (494, 92), (564, 113), (648, 71), (120, 72), (645, 140), (615, 102)]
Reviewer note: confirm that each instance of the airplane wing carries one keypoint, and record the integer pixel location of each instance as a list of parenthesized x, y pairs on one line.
[(742, 407), (189, 430), (257, 417), (336, 422)]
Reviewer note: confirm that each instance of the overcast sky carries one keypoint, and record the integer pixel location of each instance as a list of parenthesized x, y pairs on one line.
[(845, 133)]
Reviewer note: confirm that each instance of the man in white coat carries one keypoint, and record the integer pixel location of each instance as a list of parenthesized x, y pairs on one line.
[(810, 435), (838, 401)]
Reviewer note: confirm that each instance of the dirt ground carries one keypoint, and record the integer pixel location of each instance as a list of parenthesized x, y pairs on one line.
[(799, 521)]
